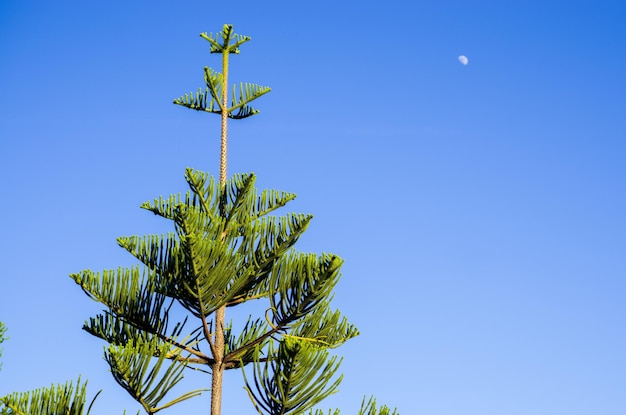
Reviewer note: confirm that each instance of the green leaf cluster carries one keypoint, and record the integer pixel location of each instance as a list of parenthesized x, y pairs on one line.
[(67, 399), (211, 98), (369, 407), (133, 368), (296, 380), (228, 247), (3, 330)]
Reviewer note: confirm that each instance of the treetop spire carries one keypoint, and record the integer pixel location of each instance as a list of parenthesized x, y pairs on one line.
[(226, 35)]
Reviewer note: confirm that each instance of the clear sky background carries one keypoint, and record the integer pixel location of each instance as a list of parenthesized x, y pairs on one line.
[(480, 209)]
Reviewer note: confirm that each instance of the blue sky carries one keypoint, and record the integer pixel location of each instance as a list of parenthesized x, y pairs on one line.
[(480, 209)]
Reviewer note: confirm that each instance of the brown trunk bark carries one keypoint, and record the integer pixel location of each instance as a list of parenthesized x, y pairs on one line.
[(218, 367)]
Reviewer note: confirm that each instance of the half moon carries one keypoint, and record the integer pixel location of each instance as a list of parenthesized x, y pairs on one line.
[(463, 59)]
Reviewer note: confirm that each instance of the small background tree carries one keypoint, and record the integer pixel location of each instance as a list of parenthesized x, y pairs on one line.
[(3, 330)]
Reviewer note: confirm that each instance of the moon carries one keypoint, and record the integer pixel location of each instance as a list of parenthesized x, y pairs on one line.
[(463, 59)]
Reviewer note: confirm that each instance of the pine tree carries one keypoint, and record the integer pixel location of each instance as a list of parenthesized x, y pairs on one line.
[(228, 249)]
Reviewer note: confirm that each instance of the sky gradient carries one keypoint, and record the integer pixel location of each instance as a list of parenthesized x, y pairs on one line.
[(480, 209)]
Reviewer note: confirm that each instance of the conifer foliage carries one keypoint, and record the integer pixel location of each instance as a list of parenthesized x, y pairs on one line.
[(3, 330), (66, 399), (229, 246)]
